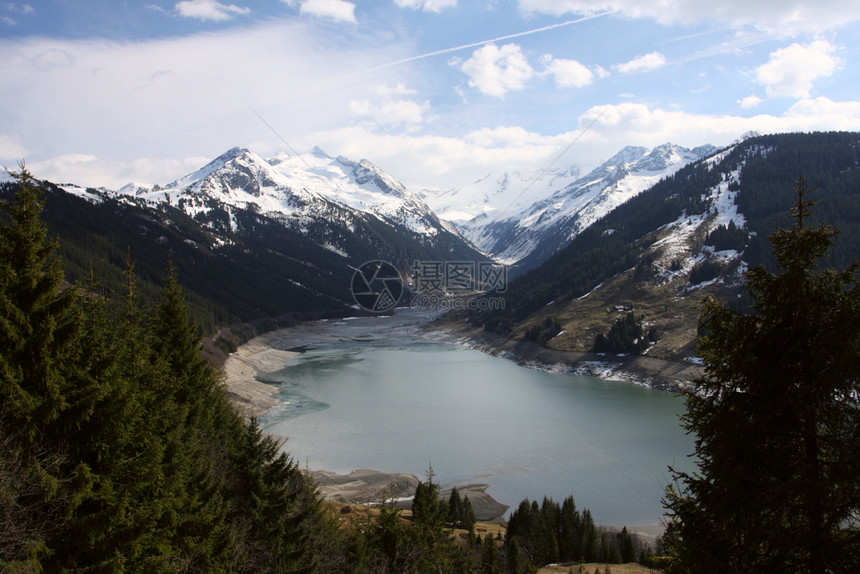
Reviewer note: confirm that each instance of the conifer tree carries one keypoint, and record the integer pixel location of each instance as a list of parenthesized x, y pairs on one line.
[(37, 320), (776, 420), (39, 328)]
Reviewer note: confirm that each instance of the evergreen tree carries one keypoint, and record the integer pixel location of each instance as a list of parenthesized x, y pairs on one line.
[(776, 420), (37, 320), (491, 559), (455, 507)]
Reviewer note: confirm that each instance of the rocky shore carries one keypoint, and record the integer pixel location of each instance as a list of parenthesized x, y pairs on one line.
[(641, 370), (267, 353), (372, 487)]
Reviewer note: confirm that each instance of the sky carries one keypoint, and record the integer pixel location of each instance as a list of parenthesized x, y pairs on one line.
[(437, 93)]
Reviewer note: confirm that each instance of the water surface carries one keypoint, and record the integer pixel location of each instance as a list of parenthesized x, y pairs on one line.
[(374, 394)]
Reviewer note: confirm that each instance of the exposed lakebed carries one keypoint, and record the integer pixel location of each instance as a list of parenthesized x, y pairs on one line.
[(378, 393)]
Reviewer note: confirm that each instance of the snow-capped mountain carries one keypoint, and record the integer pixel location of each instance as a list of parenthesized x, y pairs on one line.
[(496, 195), (527, 234), (294, 188)]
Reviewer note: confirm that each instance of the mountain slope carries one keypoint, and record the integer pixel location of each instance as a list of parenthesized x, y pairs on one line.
[(523, 234), (251, 238), (693, 233)]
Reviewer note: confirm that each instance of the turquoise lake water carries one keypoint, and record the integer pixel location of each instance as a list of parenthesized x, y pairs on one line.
[(366, 395)]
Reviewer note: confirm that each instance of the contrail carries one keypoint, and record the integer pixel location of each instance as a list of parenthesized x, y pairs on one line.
[(499, 39)]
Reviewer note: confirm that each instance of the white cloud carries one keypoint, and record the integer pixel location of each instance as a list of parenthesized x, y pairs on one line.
[(20, 8), (569, 73), (54, 58), (645, 63), (91, 170), (392, 112), (825, 114), (427, 5), (334, 9), (449, 161), (420, 160), (495, 71), (790, 72), (399, 89), (785, 16), (186, 96), (209, 10), (750, 101), (640, 125)]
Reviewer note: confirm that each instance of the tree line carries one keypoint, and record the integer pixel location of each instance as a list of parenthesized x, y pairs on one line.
[(120, 450)]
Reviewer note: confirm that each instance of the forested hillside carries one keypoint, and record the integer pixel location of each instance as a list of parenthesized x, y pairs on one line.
[(629, 256), (237, 265)]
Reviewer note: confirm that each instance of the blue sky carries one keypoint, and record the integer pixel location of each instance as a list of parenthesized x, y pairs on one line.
[(436, 92)]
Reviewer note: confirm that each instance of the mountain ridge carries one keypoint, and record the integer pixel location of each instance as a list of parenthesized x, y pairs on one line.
[(690, 235)]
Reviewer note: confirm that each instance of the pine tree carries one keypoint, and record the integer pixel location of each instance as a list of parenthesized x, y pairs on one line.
[(776, 420), (39, 329), (455, 507), (38, 324)]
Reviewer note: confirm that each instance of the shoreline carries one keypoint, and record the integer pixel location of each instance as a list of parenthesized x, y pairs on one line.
[(641, 370), (241, 369), (268, 352)]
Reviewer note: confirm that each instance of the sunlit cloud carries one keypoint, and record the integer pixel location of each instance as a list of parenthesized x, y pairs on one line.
[(333, 9), (641, 64), (209, 10), (426, 5), (568, 73), (494, 70), (750, 101), (791, 72)]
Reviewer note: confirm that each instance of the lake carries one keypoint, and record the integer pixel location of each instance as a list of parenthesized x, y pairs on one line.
[(375, 393)]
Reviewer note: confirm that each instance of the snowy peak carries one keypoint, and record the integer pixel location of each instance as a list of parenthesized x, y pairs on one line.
[(535, 231), (364, 172), (308, 185)]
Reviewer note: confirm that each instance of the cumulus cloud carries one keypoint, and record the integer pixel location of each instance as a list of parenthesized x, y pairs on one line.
[(334, 9), (427, 5), (645, 63), (451, 160), (790, 72), (495, 71), (642, 125), (568, 73), (209, 10), (421, 160), (750, 101), (786, 16)]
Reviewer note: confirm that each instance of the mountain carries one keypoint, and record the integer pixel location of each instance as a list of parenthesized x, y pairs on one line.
[(251, 238), (524, 233), (693, 233), (494, 195), (296, 189)]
